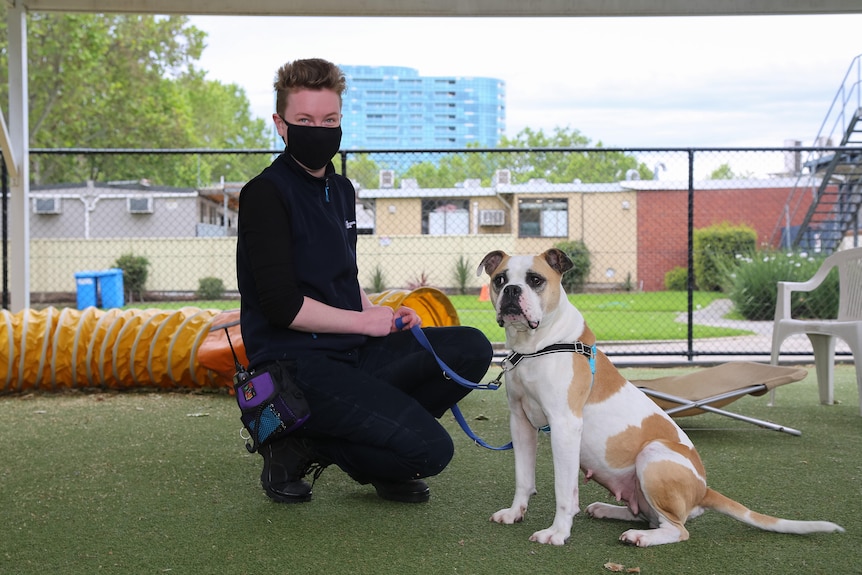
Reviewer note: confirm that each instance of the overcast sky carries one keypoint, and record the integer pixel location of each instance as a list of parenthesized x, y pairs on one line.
[(633, 82)]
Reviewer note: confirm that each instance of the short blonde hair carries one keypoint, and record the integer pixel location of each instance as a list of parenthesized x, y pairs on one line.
[(312, 74)]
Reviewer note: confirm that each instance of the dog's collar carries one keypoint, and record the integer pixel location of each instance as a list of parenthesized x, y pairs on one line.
[(588, 351)]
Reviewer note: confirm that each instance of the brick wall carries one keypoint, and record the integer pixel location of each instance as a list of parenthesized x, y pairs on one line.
[(663, 220)]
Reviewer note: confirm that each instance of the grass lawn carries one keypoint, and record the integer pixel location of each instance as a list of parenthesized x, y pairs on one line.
[(137, 482), (624, 316)]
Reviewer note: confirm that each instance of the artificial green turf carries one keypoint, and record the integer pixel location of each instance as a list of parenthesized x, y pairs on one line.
[(160, 483)]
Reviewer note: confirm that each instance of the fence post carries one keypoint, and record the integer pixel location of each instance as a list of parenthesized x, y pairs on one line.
[(690, 329), (5, 239)]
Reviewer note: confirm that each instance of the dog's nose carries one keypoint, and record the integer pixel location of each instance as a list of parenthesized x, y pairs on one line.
[(512, 291)]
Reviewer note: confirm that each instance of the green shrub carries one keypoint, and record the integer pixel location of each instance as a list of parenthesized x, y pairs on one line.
[(715, 251), (462, 274), (378, 283), (676, 279), (575, 278), (753, 286), (210, 288), (135, 272)]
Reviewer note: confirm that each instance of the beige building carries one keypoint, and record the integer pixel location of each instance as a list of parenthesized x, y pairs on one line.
[(409, 235), (469, 220)]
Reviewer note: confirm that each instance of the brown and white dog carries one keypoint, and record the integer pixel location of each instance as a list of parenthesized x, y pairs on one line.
[(599, 422)]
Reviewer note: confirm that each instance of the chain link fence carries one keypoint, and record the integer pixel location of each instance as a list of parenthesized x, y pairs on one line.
[(659, 236)]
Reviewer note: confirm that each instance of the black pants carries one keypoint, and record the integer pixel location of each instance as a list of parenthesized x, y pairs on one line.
[(374, 410)]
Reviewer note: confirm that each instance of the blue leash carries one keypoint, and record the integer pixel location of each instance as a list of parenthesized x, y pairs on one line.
[(589, 351), (448, 372)]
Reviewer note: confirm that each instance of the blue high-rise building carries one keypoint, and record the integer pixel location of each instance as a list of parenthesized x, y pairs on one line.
[(394, 108)]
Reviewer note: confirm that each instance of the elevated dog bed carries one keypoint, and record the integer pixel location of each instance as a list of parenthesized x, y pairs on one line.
[(712, 388)]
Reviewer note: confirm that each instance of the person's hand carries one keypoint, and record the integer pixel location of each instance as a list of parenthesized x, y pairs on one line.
[(377, 320), (408, 318)]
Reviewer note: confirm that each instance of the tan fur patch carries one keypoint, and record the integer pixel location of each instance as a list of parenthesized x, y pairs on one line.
[(723, 504), (672, 490), (763, 520), (579, 388), (623, 448), (690, 454), (608, 379), (715, 500), (552, 289)]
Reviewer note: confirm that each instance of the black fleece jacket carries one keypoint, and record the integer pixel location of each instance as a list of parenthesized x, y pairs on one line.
[(297, 238)]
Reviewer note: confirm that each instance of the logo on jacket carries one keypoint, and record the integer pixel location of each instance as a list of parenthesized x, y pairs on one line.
[(349, 225)]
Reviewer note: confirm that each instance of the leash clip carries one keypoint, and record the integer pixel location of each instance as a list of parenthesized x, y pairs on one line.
[(246, 436)]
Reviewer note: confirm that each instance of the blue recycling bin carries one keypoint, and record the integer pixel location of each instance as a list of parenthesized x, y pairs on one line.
[(86, 284), (104, 285)]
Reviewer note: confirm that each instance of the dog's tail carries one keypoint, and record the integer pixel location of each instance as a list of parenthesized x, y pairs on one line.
[(718, 502)]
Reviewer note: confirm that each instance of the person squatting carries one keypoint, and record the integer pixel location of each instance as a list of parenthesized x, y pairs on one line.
[(374, 393)]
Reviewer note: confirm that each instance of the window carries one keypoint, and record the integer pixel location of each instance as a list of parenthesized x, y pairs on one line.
[(445, 217), (46, 205), (140, 205), (543, 218)]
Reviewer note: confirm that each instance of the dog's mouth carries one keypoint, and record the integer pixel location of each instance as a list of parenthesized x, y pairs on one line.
[(511, 314), (510, 308)]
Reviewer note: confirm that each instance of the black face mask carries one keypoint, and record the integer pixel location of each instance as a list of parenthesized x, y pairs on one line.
[(312, 146)]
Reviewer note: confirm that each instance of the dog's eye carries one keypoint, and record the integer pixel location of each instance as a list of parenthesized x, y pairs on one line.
[(499, 281), (535, 280)]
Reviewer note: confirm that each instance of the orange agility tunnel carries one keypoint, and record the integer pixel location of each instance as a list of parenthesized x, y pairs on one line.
[(60, 349)]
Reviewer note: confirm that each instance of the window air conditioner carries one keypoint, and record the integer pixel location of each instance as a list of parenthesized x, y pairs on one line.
[(492, 217), (387, 178), (46, 205), (140, 205)]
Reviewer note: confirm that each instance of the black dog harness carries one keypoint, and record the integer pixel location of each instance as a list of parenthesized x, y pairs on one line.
[(588, 351)]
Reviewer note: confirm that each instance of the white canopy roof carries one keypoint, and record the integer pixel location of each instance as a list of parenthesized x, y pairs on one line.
[(450, 7)]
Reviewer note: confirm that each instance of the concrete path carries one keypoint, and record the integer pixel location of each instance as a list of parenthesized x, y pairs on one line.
[(709, 351)]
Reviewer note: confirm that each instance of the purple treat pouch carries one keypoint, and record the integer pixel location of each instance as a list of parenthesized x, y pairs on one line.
[(270, 403)]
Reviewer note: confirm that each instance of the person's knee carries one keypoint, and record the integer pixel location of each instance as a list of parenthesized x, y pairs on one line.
[(475, 343), (474, 352), (438, 453)]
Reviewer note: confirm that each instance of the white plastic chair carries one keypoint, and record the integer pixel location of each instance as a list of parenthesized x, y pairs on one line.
[(822, 332)]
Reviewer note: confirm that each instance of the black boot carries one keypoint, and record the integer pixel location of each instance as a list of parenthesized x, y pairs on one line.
[(410, 491), (403, 491), (285, 463)]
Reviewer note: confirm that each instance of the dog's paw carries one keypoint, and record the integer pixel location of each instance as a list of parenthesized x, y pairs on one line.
[(550, 536), (595, 510), (635, 537), (649, 537), (509, 516), (599, 510)]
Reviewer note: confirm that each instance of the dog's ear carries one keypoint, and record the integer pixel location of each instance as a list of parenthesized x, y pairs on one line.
[(558, 260), (490, 262)]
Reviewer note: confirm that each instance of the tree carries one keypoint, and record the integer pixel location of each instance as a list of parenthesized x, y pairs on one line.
[(452, 169), (362, 170), (556, 167), (551, 158), (221, 117), (126, 81), (724, 172)]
